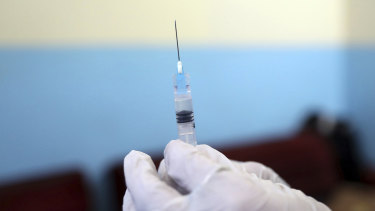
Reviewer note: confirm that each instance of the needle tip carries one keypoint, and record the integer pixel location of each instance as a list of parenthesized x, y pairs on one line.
[(178, 49)]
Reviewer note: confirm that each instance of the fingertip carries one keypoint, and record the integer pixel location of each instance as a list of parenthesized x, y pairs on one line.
[(134, 159), (177, 145), (203, 147), (175, 142), (177, 150), (134, 154), (129, 155)]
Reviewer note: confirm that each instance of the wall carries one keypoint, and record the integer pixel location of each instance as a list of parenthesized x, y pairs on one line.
[(259, 22), (361, 74), (84, 82)]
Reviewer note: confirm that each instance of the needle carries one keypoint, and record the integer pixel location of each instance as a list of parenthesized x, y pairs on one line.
[(178, 50)]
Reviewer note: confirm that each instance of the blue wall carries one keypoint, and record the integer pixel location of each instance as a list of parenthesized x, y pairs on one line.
[(88, 107)]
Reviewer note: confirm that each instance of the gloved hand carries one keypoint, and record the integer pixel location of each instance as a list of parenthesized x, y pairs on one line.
[(201, 178)]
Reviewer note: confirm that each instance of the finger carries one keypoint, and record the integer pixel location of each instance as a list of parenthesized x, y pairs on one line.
[(163, 174), (128, 204), (147, 190), (256, 168), (187, 166), (261, 171), (218, 157)]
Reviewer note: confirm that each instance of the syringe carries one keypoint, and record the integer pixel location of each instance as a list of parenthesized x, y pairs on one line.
[(183, 103)]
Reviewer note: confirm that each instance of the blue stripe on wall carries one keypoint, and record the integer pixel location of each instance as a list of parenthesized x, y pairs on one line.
[(88, 106)]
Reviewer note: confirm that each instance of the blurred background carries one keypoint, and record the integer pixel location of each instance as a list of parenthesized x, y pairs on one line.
[(84, 82)]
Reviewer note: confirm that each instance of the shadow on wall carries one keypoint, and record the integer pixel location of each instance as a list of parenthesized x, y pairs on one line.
[(361, 100)]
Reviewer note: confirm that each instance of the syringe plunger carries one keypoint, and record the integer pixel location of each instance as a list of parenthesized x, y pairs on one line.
[(184, 109)]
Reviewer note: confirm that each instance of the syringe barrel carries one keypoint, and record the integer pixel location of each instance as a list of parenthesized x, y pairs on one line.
[(184, 109)]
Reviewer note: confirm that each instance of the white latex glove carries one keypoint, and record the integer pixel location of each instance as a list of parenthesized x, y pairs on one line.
[(201, 178)]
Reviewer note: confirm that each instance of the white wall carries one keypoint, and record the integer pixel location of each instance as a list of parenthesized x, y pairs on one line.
[(226, 22)]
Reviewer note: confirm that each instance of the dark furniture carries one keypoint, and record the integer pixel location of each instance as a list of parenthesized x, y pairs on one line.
[(59, 191)]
